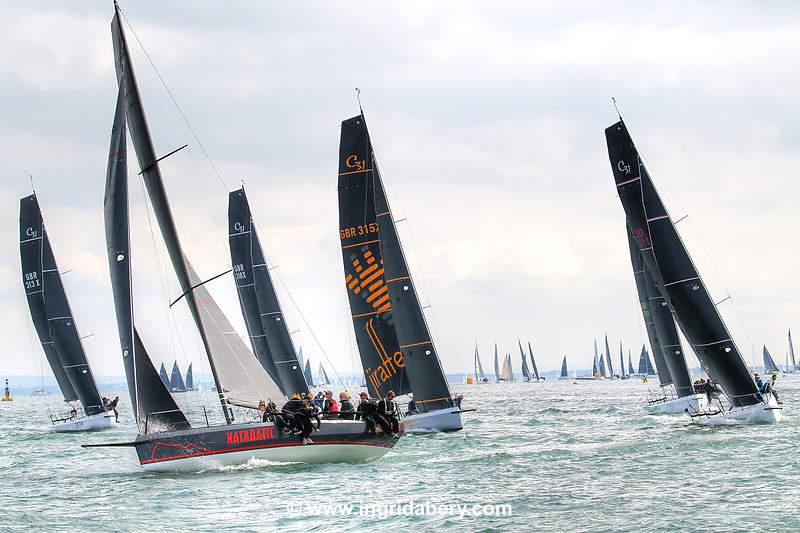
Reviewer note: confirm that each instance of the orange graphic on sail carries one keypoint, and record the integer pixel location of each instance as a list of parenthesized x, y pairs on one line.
[(368, 277)]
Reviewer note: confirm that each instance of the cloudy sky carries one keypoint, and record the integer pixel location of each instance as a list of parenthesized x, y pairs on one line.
[(488, 121)]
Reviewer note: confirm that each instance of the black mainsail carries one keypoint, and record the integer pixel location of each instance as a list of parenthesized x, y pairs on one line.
[(309, 377), (51, 313), (564, 372), (608, 359), (533, 363), (189, 378), (791, 353), (176, 383), (497, 376), (601, 365), (32, 244), (239, 379), (526, 373), (770, 366), (686, 294), (153, 407), (372, 311), (265, 320), (645, 365)]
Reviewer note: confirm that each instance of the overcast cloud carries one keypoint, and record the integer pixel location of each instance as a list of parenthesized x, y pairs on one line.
[(488, 120)]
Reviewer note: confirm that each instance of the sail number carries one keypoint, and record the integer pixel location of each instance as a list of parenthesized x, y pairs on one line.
[(361, 229), (32, 280), (352, 161), (239, 272)]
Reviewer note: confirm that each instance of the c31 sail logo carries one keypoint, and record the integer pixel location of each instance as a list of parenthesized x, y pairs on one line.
[(623, 167), (354, 163), (31, 233)]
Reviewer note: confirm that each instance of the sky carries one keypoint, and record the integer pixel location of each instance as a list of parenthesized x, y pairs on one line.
[(487, 119)]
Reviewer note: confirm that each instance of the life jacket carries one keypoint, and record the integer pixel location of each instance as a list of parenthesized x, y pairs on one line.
[(333, 407)]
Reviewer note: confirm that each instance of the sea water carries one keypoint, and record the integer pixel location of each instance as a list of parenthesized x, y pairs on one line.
[(552, 456)]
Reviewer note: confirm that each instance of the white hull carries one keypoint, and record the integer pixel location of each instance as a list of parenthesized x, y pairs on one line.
[(440, 420), (310, 453), (762, 413), (87, 423), (694, 403)]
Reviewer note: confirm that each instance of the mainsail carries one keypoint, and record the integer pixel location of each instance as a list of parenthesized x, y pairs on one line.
[(608, 359), (533, 363), (239, 378), (631, 370), (308, 375), (791, 353), (33, 242), (153, 407), (259, 301), (621, 362), (673, 270), (479, 375), (770, 366), (526, 373), (373, 316), (645, 365), (564, 373), (508, 372), (323, 376), (176, 383), (189, 378)]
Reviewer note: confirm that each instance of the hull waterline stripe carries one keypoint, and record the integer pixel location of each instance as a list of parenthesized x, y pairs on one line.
[(248, 448)]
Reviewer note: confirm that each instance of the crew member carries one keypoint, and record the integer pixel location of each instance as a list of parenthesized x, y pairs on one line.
[(387, 408), (346, 409)]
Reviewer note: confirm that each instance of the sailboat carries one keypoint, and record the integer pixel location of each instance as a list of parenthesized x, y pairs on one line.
[(526, 373), (480, 377), (264, 318), (497, 376), (163, 375), (176, 383), (564, 371), (55, 326), (601, 364), (646, 367), (394, 341), (770, 366), (622, 373), (308, 375), (323, 376), (682, 288), (676, 393), (166, 440), (535, 367), (791, 365), (508, 371), (608, 361), (631, 370), (190, 379)]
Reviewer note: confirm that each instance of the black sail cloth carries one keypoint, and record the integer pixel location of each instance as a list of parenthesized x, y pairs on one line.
[(672, 269), (372, 313)]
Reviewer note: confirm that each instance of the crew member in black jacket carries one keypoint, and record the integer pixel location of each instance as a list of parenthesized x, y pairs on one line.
[(387, 408)]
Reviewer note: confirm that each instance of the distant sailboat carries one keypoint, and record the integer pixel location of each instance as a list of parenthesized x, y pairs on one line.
[(622, 373), (176, 383), (770, 366), (564, 371), (309, 376), (646, 367), (608, 361), (601, 364), (631, 370), (480, 377), (190, 379), (508, 372), (164, 376), (535, 367), (793, 368), (683, 290), (497, 376), (52, 318), (323, 376), (526, 373)]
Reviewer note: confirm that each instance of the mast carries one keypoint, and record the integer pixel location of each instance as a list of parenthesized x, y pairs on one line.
[(239, 378), (372, 312), (32, 243), (153, 407), (276, 347), (533, 363), (673, 270)]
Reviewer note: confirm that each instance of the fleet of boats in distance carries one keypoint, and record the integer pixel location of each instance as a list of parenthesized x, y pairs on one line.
[(254, 376)]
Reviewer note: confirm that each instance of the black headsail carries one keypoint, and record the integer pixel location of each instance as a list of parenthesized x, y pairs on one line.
[(526, 373), (533, 362), (653, 229), (240, 380), (274, 350), (372, 312), (424, 369), (32, 241), (564, 372), (608, 359), (153, 407)]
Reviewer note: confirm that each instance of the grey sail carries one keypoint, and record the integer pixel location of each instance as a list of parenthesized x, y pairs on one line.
[(479, 375), (508, 371), (425, 374), (564, 372), (374, 320), (497, 376), (323, 376), (162, 373), (595, 369), (791, 353), (526, 373), (631, 370), (63, 332), (769, 363), (176, 383), (601, 365), (645, 365), (608, 359), (32, 241), (189, 378), (153, 407), (533, 363), (280, 350), (308, 375), (672, 267), (239, 378), (621, 362)]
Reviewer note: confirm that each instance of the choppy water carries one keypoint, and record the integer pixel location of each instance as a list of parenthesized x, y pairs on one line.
[(584, 457)]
